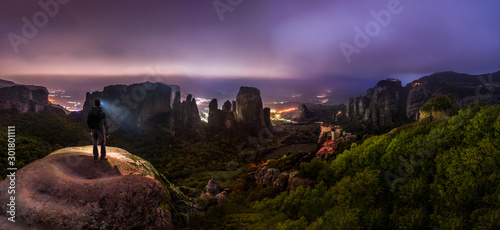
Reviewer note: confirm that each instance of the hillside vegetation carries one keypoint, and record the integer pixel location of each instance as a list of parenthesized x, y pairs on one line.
[(38, 134), (426, 175), (432, 174)]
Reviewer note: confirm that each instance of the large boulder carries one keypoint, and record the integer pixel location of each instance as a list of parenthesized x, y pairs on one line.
[(69, 190)]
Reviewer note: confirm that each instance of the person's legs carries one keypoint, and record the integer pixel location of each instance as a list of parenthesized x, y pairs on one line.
[(95, 151), (103, 147)]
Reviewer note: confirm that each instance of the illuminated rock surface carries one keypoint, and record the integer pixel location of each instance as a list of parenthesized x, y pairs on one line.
[(69, 190)]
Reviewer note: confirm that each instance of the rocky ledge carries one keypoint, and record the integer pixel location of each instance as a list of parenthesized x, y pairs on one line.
[(69, 190)]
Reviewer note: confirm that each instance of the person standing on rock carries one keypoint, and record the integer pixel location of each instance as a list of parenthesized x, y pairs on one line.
[(96, 120)]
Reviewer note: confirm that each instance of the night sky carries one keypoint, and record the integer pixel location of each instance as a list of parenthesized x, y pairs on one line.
[(284, 45)]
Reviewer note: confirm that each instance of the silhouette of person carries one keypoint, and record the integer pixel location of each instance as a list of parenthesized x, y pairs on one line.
[(96, 120)]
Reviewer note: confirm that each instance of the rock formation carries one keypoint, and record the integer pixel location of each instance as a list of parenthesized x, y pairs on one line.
[(294, 181), (69, 190), (146, 106), (246, 114), (214, 117), (212, 191), (302, 114), (388, 102), (379, 107), (191, 126), (26, 98), (267, 176), (222, 196), (211, 188), (249, 110), (280, 181), (267, 119), (466, 88)]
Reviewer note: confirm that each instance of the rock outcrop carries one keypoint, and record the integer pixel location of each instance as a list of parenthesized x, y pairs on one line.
[(294, 181), (267, 119), (212, 191), (280, 181), (147, 106), (267, 176), (221, 197), (211, 188), (302, 114), (69, 190), (26, 98), (388, 102), (466, 88), (221, 120), (380, 106), (249, 110), (245, 115), (191, 126)]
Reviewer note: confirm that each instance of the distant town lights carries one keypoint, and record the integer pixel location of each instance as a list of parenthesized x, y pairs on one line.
[(287, 110)]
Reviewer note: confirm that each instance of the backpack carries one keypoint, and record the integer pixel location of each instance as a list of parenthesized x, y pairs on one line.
[(94, 118)]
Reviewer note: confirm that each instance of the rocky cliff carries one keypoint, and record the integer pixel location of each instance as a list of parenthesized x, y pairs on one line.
[(245, 115), (466, 88), (146, 106), (26, 98), (69, 190), (380, 106), (389, 102)]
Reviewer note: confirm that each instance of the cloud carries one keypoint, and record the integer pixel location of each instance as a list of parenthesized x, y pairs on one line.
[(274, 39)]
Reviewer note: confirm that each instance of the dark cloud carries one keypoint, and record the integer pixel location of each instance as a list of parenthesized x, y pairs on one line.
[(258, 39)]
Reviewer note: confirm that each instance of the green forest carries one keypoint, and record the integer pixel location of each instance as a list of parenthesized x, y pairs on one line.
[(431, 174)]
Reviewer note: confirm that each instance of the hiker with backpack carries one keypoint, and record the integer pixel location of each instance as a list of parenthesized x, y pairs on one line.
[(96, 120)]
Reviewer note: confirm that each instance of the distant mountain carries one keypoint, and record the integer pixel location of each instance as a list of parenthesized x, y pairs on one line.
[(26, 98), (389, 102)]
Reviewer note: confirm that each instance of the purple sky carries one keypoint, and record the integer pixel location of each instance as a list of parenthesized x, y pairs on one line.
[(272, 39)]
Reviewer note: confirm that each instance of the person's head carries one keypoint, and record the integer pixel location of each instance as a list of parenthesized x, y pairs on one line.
[(97, 102)]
